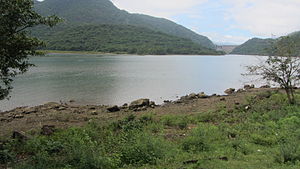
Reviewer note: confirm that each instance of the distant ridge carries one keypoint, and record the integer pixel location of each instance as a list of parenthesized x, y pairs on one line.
[(254, 46), (122, 39), (81, 12), (257, 46)]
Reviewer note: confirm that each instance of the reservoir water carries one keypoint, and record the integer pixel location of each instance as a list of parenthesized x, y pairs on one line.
[(96, 79)]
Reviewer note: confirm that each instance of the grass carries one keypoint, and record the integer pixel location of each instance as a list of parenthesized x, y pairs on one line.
[(266, 135)]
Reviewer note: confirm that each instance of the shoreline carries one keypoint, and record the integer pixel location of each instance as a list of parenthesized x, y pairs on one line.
[(64, 115), (47, 52)]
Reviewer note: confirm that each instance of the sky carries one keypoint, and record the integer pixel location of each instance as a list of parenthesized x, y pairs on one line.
[(224, 21)]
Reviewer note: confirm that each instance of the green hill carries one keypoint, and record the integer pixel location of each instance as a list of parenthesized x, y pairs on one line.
[(120, 39), (296, 38), (254, 46), (258, 46), (81, 12)]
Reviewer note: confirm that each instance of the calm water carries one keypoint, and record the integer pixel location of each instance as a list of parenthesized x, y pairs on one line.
[(91, 79)]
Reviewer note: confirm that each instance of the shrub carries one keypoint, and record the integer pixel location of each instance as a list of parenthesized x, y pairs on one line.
[(201, 138), (175, 121), (73, 147), (206, 117), (142, 148), (5, 156), (264, 140), (289, 152)]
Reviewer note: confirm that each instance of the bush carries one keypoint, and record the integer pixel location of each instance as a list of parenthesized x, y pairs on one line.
[(264, 140), (142, 148), (175, 121), (201, 138), (73, 148), (289, 152), (5, 156)]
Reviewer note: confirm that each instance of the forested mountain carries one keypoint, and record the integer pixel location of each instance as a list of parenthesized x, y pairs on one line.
[(82, 12), (254, 46), (258, 46), (121, 39)]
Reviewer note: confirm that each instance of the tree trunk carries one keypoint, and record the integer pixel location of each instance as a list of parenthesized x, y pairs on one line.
[(292, 96), (287, 90)]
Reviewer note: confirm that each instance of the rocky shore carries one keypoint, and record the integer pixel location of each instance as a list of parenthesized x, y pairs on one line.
[(63, 115)]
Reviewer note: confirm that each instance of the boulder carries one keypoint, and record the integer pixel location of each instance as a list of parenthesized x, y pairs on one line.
[(192, 96), (48, 130), (125, 106), (3, 119), (202, 95), (29, 110), (18, 116), (20, 136), (139, 103), (94, 113), (265, 87), (61, 108), (247, 87), (178, 101), (247, 107), (229, 91), (167, 101), (240, 90), (114, 108), (152, 104), (52, 105)]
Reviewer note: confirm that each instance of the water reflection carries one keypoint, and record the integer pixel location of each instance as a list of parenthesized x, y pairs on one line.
[(90, 79)]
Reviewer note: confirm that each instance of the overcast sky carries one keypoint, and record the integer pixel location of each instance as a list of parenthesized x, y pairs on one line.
[(233, 21)]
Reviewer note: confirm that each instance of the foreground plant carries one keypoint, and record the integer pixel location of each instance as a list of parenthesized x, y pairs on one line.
[(282, 67), (16, 17)]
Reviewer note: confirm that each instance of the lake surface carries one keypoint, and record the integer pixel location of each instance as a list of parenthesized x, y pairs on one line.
[(92, 79)]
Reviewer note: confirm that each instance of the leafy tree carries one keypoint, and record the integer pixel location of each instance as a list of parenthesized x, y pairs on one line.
[(282, 66), (15, 43)]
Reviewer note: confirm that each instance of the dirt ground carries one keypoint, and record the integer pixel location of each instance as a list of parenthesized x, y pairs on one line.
[(32, 119)]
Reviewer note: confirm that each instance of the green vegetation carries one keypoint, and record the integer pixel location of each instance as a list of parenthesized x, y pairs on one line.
[(120, 39), (258, 46), (254, 46), (15, 43), (264, 135), (98, 12), (282, 66)]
